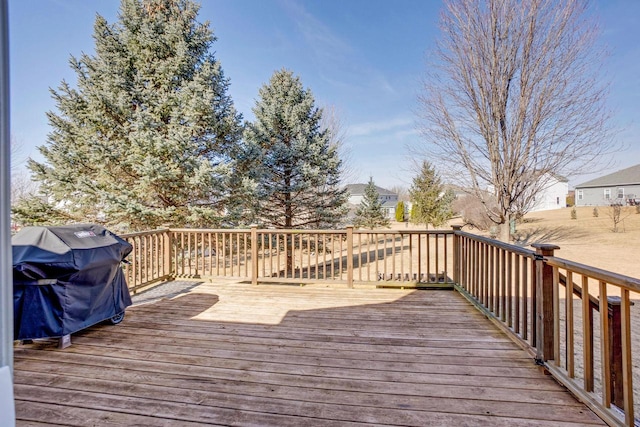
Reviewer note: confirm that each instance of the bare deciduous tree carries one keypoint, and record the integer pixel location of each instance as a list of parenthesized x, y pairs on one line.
[(402, 192), (21, 184), (333, 121), (514, 96), (617, 213)]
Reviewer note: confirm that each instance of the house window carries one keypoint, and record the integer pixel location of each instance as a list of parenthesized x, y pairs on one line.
[(580, 194), (607, 193), (620, 193), (558, 201)]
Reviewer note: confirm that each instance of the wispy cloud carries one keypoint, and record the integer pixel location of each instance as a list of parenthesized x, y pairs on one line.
[(332, 54), (397, 125), (323, 42)]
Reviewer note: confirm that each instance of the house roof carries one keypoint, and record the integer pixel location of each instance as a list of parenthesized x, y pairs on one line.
[(628, 176), (559, 178), (357, 189)]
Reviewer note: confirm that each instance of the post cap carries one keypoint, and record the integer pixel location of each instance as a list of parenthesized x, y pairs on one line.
[(545, 247)]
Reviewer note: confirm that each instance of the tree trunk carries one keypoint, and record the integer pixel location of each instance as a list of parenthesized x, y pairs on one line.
[(288, 223), (505, 229)]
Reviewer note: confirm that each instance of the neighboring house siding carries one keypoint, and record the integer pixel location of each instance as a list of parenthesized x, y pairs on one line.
[(554, 196), (616, 187), (388, 198), (597, 197)]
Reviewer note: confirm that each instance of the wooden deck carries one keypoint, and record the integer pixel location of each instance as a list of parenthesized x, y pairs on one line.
[(234, 354)]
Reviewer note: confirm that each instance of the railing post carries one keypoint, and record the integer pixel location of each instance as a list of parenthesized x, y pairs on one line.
[(167, 243), (254, 254), (350, 256), (544, 306), (615, 351), (456, 253)]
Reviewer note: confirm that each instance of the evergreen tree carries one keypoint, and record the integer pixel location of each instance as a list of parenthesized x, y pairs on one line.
[(400, 211), (444, 210), (431, 203), (147, 136), (295, 165), (369, 213)]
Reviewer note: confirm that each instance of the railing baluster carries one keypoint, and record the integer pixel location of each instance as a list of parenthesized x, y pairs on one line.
[(377, 256), (341, 244), (309, 255), (369, 256), (525, 299), (476, 270), (494, 286), (428, 261), (445, 261), (437, 245), (508, 259), (604, 345), (485, 282), (587, 334), (569, 325), (350, 257), (503, 285), (534, 303), (401, 257), (556, 315), (393, 256), (627, 362), (516, 291)]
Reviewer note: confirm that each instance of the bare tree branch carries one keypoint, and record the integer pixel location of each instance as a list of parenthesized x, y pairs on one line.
[(515, 96), (333, 121)]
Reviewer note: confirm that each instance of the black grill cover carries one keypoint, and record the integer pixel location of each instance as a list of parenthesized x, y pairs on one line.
[(66, 279)]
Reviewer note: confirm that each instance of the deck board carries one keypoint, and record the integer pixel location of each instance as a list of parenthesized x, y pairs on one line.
[(235, 354)]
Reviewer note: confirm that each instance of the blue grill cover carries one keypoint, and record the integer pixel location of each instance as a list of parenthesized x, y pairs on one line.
[(66, 279)]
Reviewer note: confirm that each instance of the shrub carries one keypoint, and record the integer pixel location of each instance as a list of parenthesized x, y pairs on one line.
[(473, 212), (400, 211)]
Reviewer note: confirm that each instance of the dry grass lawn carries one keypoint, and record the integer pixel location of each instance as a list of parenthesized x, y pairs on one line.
[(588, 239)]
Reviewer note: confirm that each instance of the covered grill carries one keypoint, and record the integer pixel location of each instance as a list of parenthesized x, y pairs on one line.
[(66, 279)]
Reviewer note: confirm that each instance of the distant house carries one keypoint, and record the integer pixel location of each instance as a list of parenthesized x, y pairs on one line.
[(553, 195), (618, 187), (388, 198)]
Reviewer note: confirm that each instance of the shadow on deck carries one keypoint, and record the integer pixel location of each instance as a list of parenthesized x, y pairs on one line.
[(235, 354)]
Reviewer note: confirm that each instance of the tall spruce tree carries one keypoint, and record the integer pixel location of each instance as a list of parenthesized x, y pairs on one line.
[(146, 136), (296, 167), (369, 212), (431, 203)]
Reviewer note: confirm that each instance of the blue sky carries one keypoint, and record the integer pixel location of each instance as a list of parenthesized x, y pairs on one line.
[(363, 57)]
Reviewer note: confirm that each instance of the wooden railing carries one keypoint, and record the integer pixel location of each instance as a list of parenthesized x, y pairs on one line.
[(553, 308), (393, 258), (150, 259), (410, 258)]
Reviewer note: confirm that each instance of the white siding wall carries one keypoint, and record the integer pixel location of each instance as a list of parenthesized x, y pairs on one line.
[(554, 196)]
